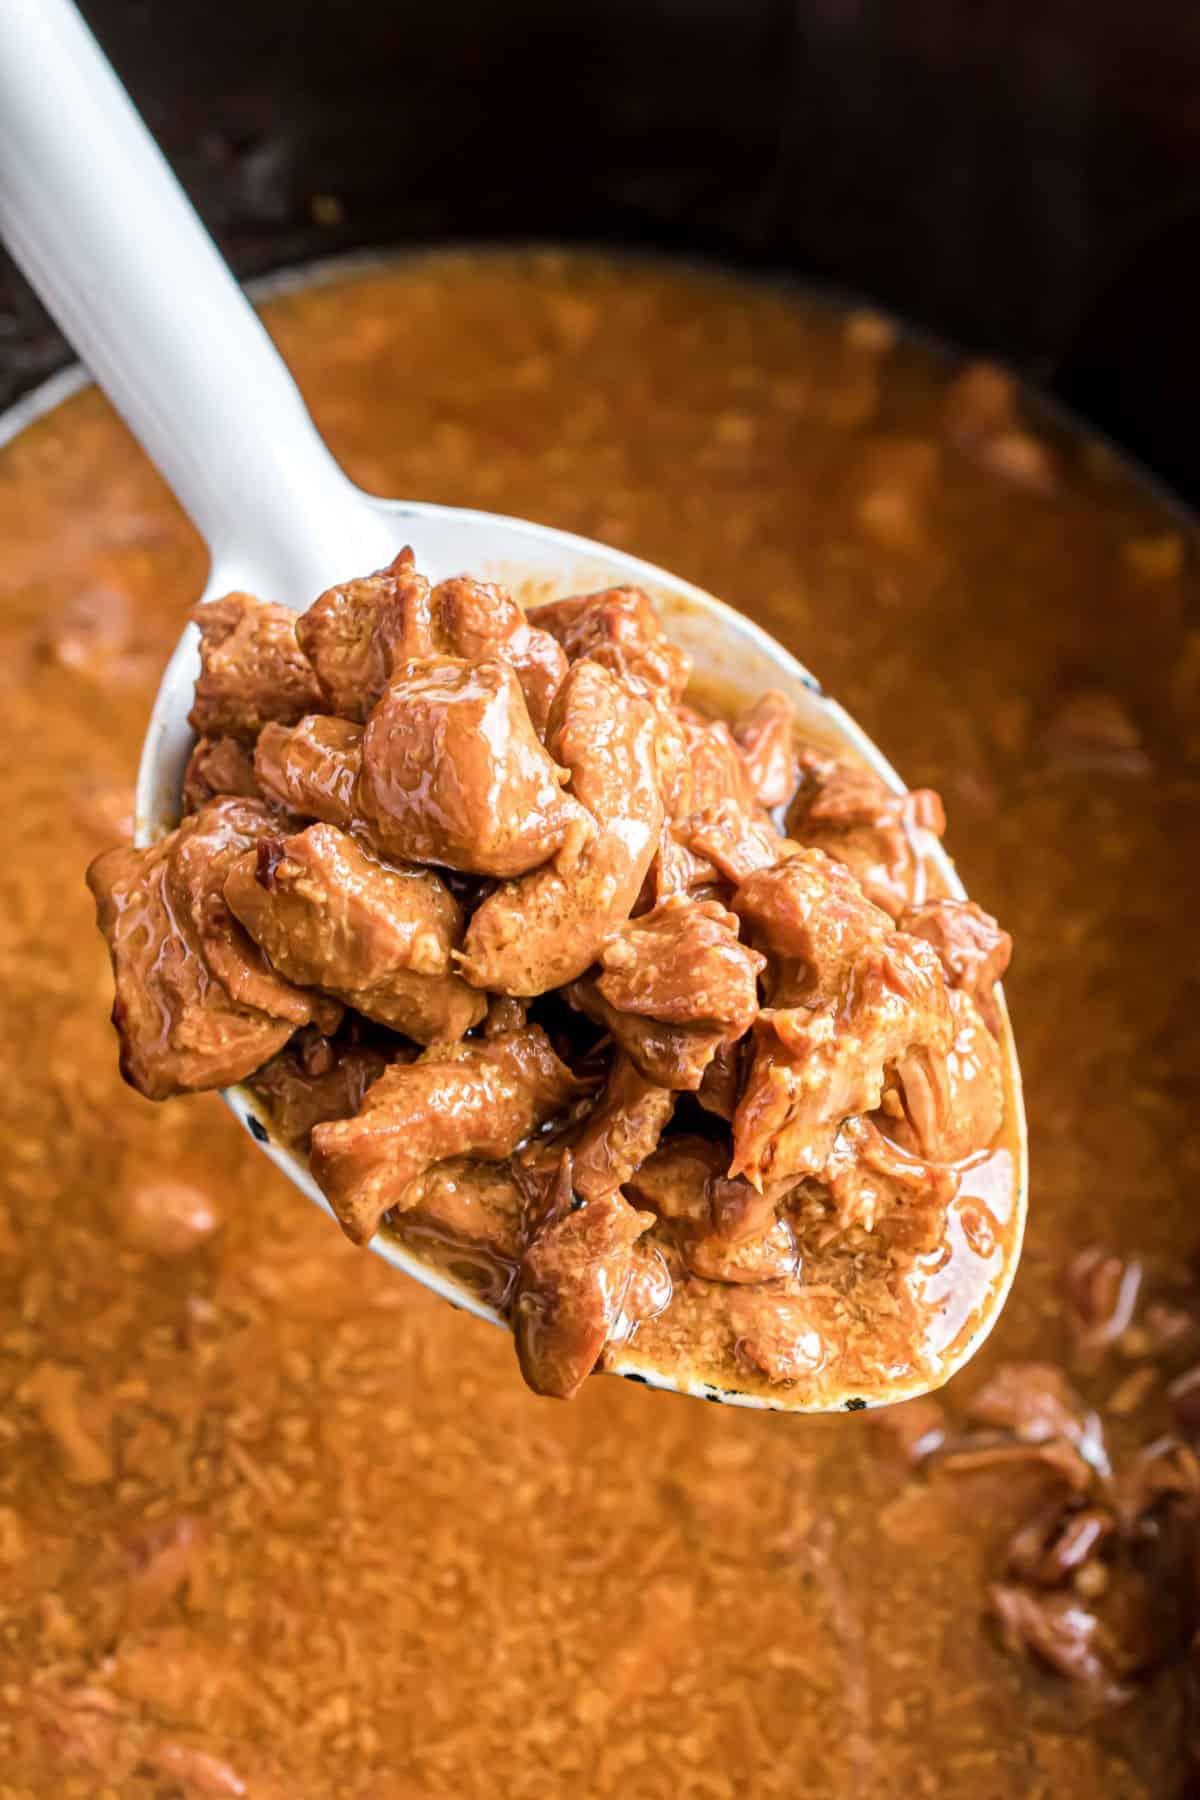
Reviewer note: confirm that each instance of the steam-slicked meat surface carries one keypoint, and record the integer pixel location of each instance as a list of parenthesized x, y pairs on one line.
[(303, 1089), (357, 632), (812, 920), (312, 768), (716, 771), (544, 931), (815, 1067), (252, 669), (196, 1006), (732, 842), (765, 733), (478, 1098), (872, 1179), (682, 964), (572, 1282), (674, 1056), (724, 1229), (619, 628), (621, 1131), (218, 766), (453, 772), (478, 1205), (953, 1101), (329, 915), (848, 812), (975, 951), (476, 619)]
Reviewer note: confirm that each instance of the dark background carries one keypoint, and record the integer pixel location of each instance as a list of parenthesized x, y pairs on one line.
[(1021, 175)]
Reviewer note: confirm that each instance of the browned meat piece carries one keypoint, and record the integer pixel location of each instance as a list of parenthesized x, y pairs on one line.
[(776, 1335), (1037, 1403), (716, 770), (849, 813), (312, 768), (734, 843), (812, 919), (674, 1056), (621, 1131), (675, 870), (682, 964), (1048, 1550), (303, 1087), (572, 1283), (1102, 1292), (544, 931), (1064, 1633), (357, 632), (953, 1102), (871, 1179), (772, 1256), (477, 1205), (620, 629), (766, 736), (722, 1079), (218, 766), (504, 1014), (328, 915), (478, 1098), (974, 951), (725, 1230), (676, 1182), (196, 1006), (453, 773), (475, 619), (252, 669), (816, 1067)]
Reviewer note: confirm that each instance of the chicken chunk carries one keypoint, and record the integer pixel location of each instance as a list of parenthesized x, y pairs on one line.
[(815, 1067), (872, 1179), (477, 1205), (309, 1083), (850, 814), (620, 629), (621, 1131), (732, 842), (766, 736), (453, 773), (682, 964), (716, 769), (196, 1005), (312, 767), (974, 951), (779, 1337), (543, 932), (954, 1101), (812, 919), (724, 1229), (476, 619), (478, 1098), (572, 1283), (357, 632), (218, 766), (328, 915), (673, 1056), (252, 669)]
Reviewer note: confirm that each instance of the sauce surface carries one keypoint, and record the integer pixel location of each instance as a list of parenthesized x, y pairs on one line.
[(269, 1514)]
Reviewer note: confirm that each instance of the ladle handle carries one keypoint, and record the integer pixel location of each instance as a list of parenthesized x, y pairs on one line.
[(92, 213)]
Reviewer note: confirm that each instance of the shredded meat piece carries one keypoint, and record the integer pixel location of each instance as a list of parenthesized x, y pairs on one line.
[(766, 736), (724, 836), (672, 1056), (544, 931), (727, 1230), (476, 1204), (196, 1006), (621, 1131), (772, 1256), (301, 1096), (814, 1068), (572, 1283), (682, 964), (477, 1098), (378, 937), (477, 620), (252, 669), (778, 1337), (1065, 1633), (850, 814), (953, 1101), (619, 629), (1102, 1291), (812, 919), (218, 766), (312, 768), (872, 1179), (453, 773), (1037, 1403), (357, 632), (1051, 1546), (974, 951), (675, 870)]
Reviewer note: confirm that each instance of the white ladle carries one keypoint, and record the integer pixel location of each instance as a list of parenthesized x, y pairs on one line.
[(92, 212)]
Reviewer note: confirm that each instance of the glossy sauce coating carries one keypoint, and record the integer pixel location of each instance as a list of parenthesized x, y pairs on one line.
[(239, 1520)]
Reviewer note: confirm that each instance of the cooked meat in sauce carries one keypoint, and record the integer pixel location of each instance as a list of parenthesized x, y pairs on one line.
[(859, 1080), (272, 1518)]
